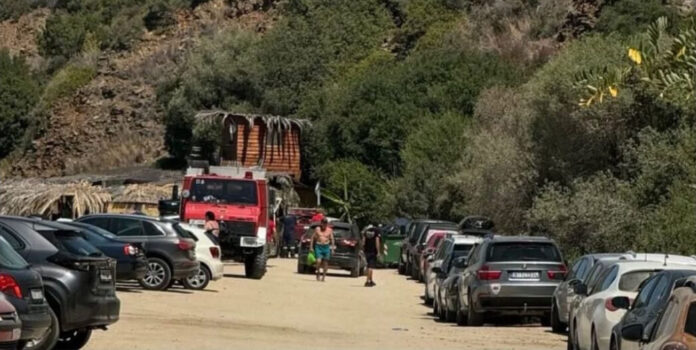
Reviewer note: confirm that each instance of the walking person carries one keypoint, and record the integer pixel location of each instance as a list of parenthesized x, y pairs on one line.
[(372, 248), (212, 227), (323, 245)]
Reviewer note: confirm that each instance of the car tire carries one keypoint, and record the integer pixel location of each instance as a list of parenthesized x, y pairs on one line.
[(441, 313), (427, 299), (402, 268), (301, 268), (572, 339), (614, 345), (436, 308), (355, 270), (556, 325), (73, 340), (594, 345), (473, 318), (407, 269), (158, 276), (199, 280), (255, 265), (50, 339)]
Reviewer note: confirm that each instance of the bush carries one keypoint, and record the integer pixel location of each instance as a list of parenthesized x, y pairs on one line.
[(633, 16), (19, 93), (62, 37), (159, 15), (66, 82)]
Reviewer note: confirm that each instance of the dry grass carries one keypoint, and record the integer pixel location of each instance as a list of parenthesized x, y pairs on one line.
[(142, 193), (29, 197)]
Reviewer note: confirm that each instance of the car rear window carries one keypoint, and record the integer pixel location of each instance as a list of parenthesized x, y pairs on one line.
[(631, 281), (224, 191), (184, 233), (9, 258), (523, 251), (462, 249), (71, 242), (342, 233)]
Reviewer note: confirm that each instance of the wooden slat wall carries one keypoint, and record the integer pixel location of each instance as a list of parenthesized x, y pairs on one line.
[(276, 159)]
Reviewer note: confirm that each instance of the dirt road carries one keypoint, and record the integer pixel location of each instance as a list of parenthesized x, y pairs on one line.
[(290, 311)]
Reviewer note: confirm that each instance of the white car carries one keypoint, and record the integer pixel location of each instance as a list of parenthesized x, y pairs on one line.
[(593, 319), (210, 257)]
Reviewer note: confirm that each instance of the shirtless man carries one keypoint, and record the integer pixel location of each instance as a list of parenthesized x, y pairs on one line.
[(323, 245)]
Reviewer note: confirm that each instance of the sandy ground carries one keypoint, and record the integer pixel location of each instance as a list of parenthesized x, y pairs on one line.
[(290, 311)]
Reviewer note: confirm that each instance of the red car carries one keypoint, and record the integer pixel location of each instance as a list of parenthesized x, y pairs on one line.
[(305, 218), (10, 325), (433, 240)]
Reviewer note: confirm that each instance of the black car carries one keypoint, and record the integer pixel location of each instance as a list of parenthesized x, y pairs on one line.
[(416, 248), (78, 279), (23, 288), (170, 250), (131, 263), (348, 254), (646, 309)]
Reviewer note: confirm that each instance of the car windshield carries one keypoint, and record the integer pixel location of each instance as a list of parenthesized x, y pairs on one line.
[(72, 242), (523, 251), (631, 281), (224, 191), (9, 258)]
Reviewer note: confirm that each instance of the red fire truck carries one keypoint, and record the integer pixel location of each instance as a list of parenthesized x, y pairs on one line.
[(239, 199)]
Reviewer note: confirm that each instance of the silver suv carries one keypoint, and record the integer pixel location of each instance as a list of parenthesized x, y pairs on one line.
[(510, 275)]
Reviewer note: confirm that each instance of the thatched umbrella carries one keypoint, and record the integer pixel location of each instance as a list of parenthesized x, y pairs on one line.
[(29, 197), (142, 193)]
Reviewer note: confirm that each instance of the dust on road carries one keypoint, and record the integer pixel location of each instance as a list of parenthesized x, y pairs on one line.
[(290, 311)]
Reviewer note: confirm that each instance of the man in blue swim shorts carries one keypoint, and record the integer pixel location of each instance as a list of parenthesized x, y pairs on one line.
[(323, 245)]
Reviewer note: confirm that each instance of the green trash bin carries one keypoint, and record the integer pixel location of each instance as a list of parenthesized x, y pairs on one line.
[(392, 243)]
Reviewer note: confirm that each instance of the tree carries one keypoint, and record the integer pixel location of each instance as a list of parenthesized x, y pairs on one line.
[(19, 92)]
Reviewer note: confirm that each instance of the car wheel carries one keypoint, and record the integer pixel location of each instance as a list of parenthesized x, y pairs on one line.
[(255, 265), (49, 338), (402, 268), (301, 268), (426, 296), (595, 344), (473, 318), (613, 345), (73, 340), (436, 308), (158, 275), (461, 317), (556, 325), (355, 269), (574, 339), (199, 280)]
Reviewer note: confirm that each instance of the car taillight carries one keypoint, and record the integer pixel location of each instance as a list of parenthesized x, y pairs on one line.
[(675, 346), (215, 252), (486, 274), (349, 242), (557, 274), (130, 250), (185, 245), (610, 306), (9, 286)]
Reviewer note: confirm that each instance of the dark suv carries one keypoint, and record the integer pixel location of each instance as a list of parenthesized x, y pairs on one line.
[(514, 275), (78, 279), (23, 288), (348, 254), (170, 250)]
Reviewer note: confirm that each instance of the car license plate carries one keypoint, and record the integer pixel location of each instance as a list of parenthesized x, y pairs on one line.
[(248, 242), (524, 275), (105, 275), (37, 294)]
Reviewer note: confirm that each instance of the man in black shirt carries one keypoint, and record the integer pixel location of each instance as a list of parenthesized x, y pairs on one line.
[(372, 247)]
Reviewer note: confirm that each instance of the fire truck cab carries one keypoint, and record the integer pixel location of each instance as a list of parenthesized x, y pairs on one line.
[(238, 197)]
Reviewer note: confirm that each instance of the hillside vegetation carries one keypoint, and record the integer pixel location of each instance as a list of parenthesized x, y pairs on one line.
[(531, 112)]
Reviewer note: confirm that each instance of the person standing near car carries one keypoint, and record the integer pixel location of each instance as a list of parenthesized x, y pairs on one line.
[(289, 224), (372, 247), (323, 245), (211, 226)]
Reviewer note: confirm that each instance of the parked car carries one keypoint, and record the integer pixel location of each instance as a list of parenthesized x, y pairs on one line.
[(170, 250), (565, 291), (675, 327), (447, 310), (451, 248), (592, 322), (348, 254), (208, 254), (650, 303), (10, 325), (79, 281), (430, 247), (514, 275), (23, 288), (413, 231), (131, 263), (418, 247)]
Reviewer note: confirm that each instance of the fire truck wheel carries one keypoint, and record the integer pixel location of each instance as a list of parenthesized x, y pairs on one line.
[(255, 265)]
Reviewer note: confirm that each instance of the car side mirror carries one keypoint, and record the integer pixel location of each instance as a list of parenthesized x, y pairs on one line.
[(632, 332), (461, 262), (621, 303), (580, 289)]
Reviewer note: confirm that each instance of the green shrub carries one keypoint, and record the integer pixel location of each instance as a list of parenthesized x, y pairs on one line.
[(633, 16), (62, 37), (160, 14), (19, 93), (66, 81)]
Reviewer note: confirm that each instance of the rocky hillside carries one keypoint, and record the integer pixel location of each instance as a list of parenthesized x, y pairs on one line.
[(114, 120)]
